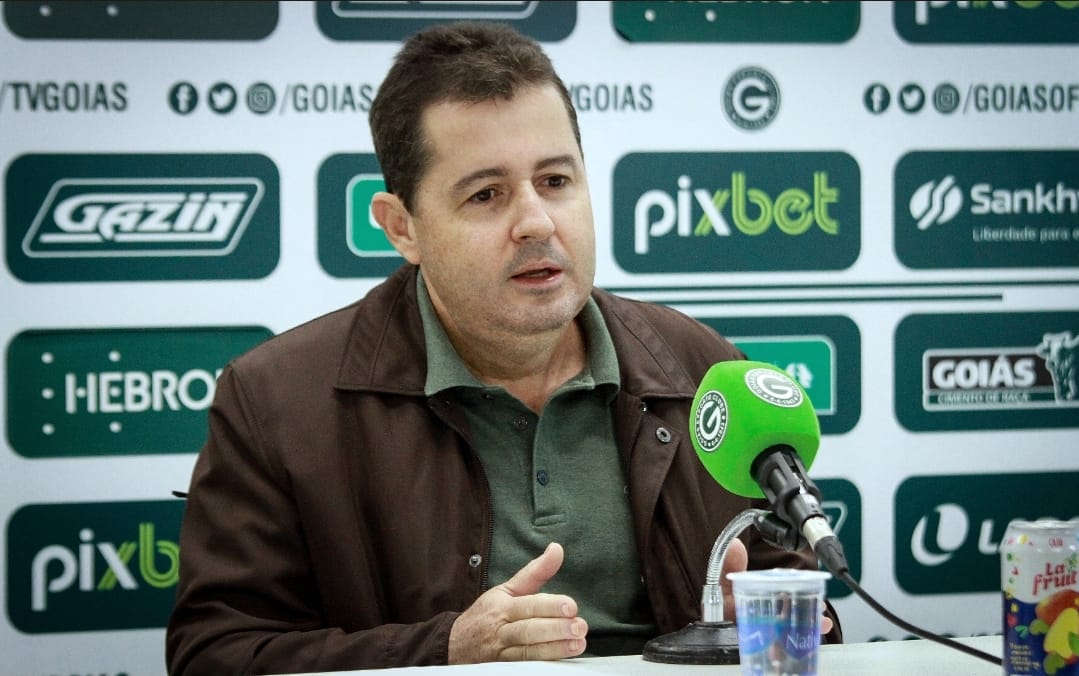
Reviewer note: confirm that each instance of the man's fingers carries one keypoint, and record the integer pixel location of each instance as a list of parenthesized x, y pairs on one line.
[(555, 650), (536, 572), (540, 630), (541, 605)]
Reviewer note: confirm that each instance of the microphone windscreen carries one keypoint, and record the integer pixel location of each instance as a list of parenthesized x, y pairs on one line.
[(743, 408)]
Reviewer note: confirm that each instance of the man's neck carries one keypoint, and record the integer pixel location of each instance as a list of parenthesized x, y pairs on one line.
[(528, 367)]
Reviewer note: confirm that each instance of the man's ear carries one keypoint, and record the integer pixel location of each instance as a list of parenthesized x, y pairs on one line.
[(390, 213)]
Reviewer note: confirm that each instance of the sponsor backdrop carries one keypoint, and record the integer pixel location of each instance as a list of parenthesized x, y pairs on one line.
[(881, 198)]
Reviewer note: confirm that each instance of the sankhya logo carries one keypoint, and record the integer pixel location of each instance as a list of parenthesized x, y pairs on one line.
[(774, 387), (106, 218), (936, 202), (710, 421)]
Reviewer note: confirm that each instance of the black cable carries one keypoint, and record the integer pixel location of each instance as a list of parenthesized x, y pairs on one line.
[(854, 586)]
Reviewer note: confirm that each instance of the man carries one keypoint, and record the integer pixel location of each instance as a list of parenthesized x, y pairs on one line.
[(483, 459)]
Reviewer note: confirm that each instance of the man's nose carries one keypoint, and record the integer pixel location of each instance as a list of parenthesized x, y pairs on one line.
[(531, 217)]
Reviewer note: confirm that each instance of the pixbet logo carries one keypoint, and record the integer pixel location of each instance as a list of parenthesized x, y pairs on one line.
[(752, 210), (923, 9), (712, 212), (92, 566), (79, 569)]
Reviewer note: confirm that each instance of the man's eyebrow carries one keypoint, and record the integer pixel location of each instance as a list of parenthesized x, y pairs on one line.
[(497, 172)]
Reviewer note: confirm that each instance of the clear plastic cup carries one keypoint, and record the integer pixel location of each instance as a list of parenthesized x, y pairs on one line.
[(778, 614)]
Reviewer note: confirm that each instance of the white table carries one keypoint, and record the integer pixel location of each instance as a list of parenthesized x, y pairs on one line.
[(885, 658)]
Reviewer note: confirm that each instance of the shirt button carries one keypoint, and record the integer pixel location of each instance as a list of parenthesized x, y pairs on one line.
[(520, 423), (664, 435), (488, 396), (542, 477), (475, 560)]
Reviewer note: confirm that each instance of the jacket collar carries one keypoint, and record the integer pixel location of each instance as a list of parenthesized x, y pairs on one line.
[(386, 351)]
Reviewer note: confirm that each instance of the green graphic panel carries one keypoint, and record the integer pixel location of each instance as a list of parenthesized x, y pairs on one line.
[(948, 528), (823, 353), (1010, 22), (395, 21), (987, 209), (129, 217), (92, 566), (779, 22), (116, 391), (141, 20), (350, 243), (842, 503), (736, 212), (987, 371)]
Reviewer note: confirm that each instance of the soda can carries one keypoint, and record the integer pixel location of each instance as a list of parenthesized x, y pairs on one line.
[(1039, 566)]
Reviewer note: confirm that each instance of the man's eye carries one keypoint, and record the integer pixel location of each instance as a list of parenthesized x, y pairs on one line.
[(485, 195), (556, 181)]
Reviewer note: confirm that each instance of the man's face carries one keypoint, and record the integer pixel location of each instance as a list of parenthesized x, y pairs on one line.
[(502, 222)]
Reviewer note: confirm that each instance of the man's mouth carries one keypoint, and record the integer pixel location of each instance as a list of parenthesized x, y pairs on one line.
[(538, 273)]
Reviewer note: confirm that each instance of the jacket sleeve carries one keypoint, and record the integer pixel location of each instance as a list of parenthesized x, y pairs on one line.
[(247, 599)]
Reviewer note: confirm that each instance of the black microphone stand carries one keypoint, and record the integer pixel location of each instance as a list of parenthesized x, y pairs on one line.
[(714, 639)]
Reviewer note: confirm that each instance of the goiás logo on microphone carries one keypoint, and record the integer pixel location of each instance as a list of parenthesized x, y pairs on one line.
[(710, 421), (774, 387)]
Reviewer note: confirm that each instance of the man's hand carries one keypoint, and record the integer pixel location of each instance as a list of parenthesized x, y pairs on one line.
[(736, 561), (513, 621)]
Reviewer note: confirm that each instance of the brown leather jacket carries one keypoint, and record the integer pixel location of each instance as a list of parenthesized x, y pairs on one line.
[(337, 518)]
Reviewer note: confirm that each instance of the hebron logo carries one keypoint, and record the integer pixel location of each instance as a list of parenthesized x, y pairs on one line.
[(142, 217), (936, 202), (92, 566), (952, 546), (116, 391)]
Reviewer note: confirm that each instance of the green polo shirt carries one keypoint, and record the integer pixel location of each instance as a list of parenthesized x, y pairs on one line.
[(555, 477)]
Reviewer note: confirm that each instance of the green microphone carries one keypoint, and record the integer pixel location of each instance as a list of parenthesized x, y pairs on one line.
[(755, 431)]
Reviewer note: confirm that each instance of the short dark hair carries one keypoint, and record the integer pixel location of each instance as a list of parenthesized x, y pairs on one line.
[(465, 61)]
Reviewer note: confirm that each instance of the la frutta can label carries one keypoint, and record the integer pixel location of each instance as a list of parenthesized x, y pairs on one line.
[(1040, 587)]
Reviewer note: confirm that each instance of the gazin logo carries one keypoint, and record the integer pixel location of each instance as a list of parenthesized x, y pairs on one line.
[(367, 20), (710, 422), (141, 217), (936, 202), (738, 211), (92, 566)]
